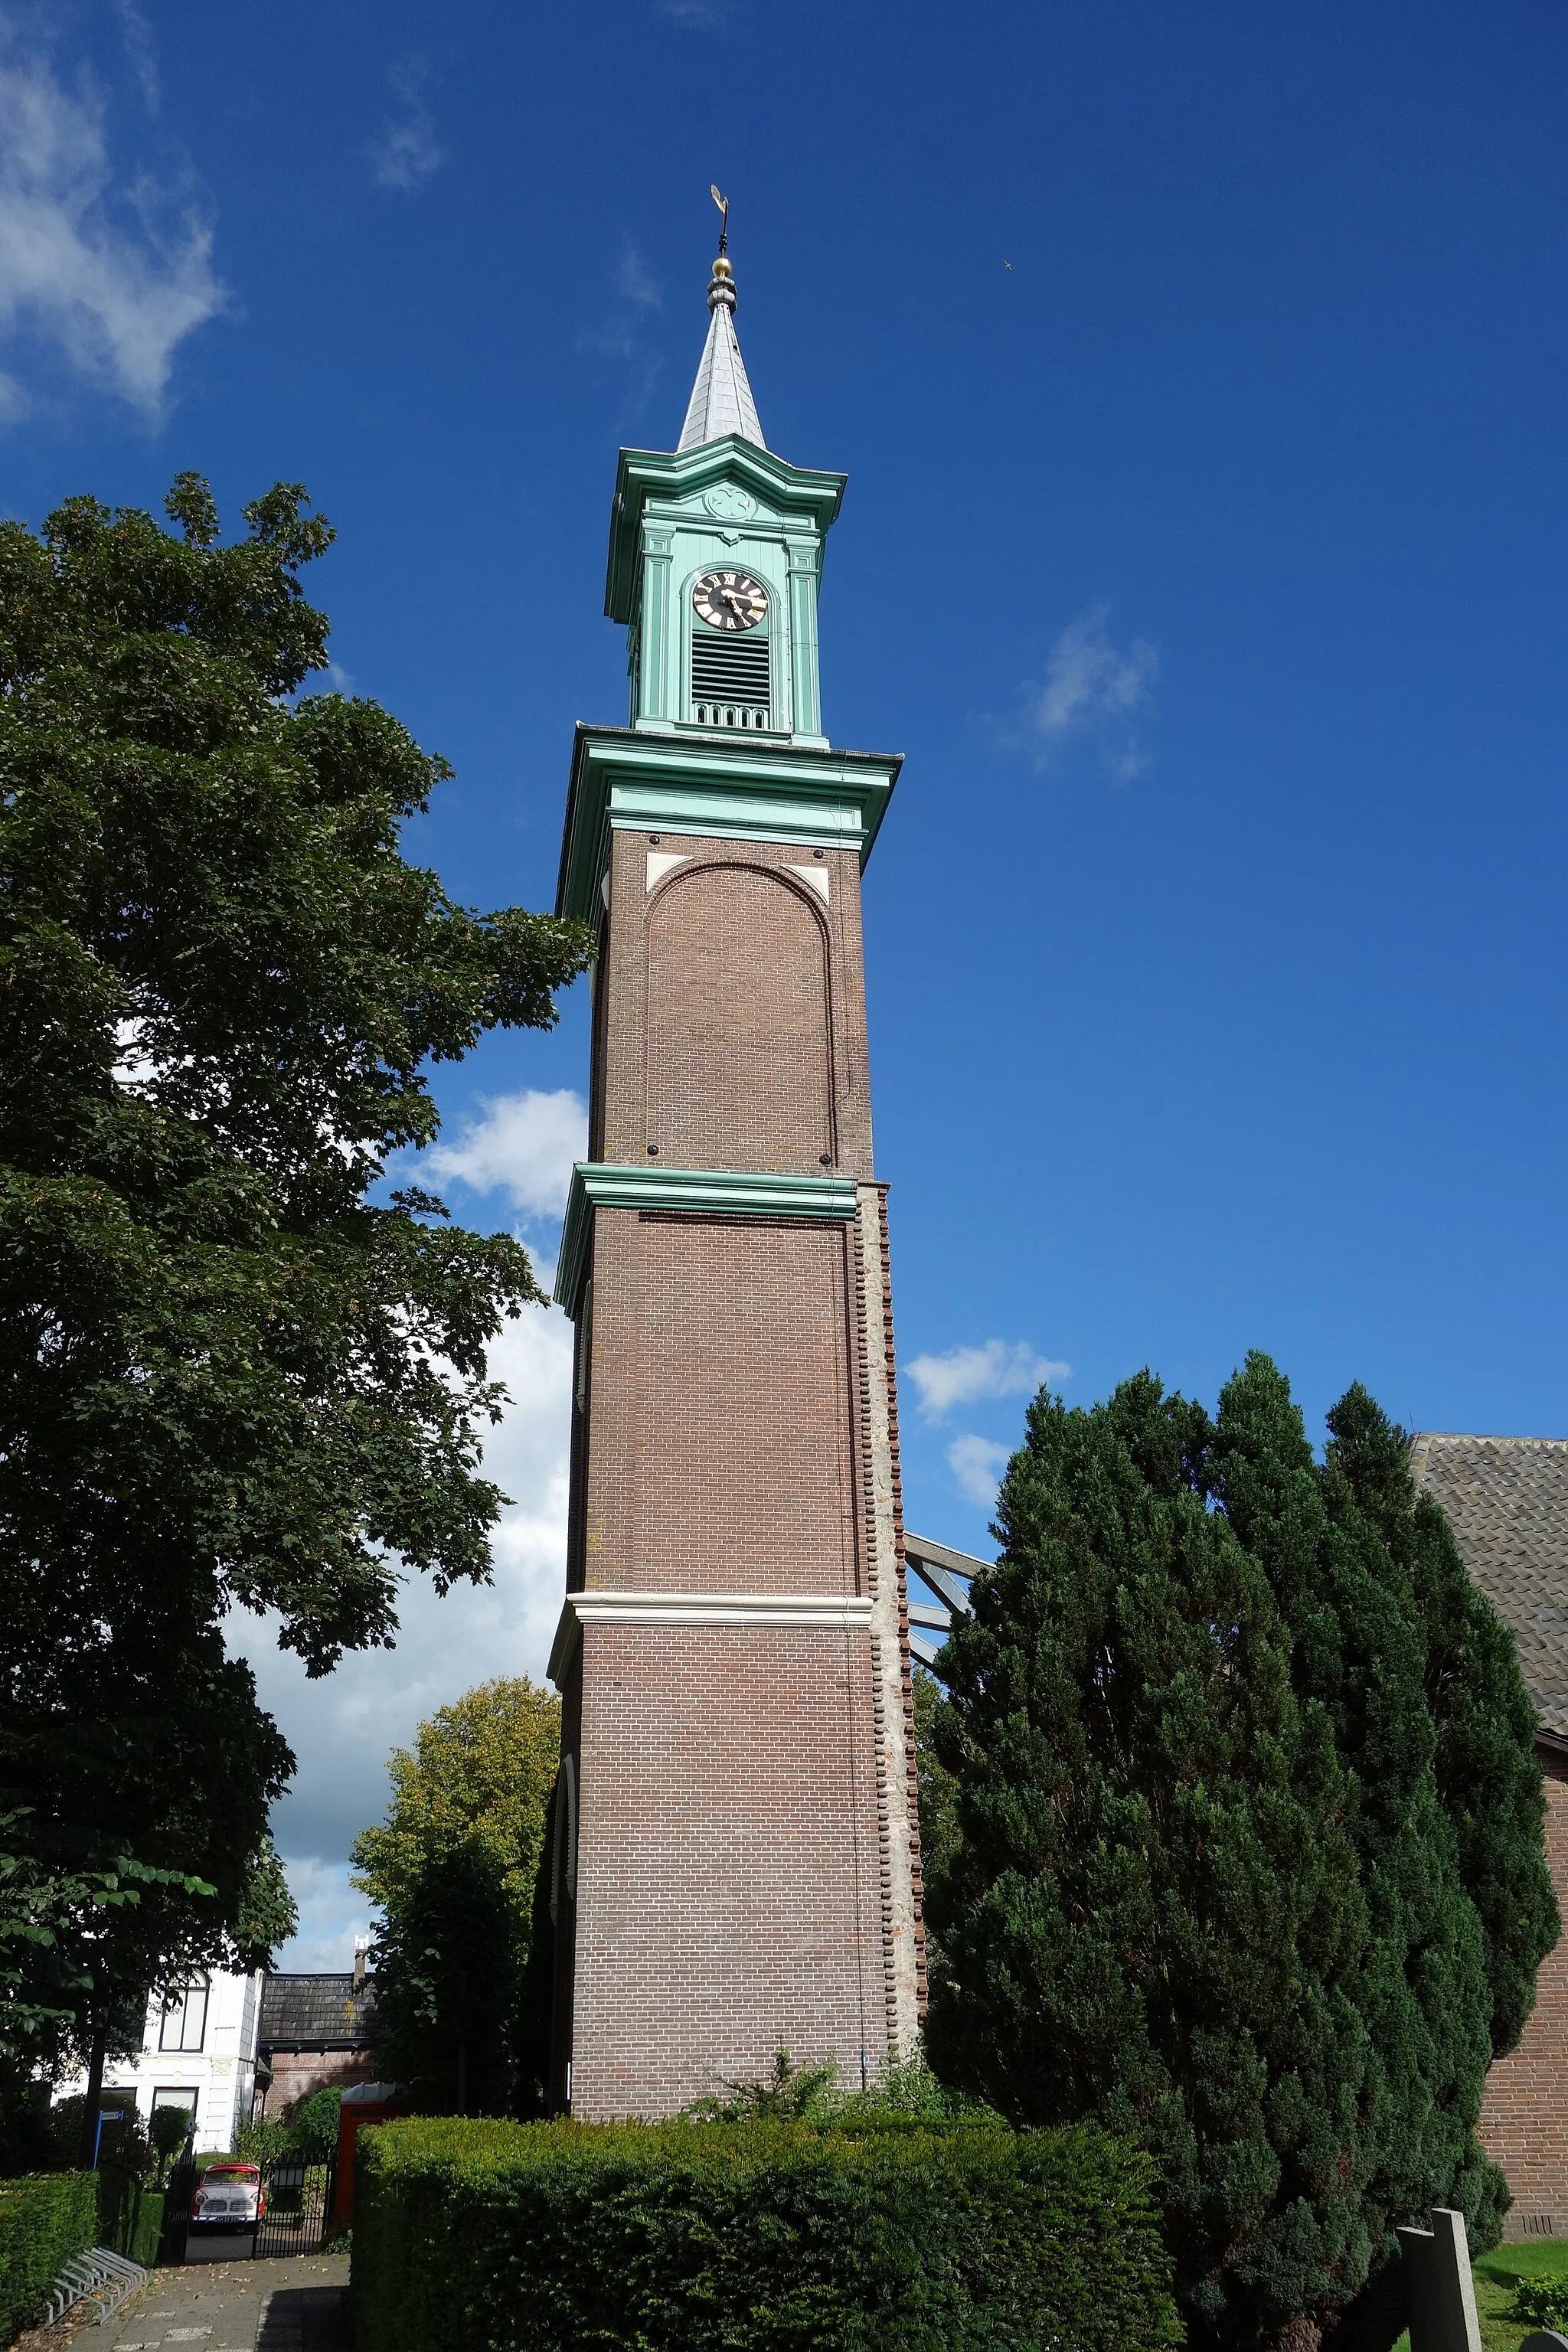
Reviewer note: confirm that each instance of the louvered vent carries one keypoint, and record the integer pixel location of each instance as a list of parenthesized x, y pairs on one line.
[(729, 680)]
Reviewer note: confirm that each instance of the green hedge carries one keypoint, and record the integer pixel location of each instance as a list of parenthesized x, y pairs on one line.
[(129, 2216), (689, 2237), (45, 2219)]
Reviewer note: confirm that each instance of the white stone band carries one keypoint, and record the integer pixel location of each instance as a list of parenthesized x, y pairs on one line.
[(580, 1608)]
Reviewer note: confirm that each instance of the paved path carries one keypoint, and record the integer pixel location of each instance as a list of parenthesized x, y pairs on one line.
[(297, 2303)]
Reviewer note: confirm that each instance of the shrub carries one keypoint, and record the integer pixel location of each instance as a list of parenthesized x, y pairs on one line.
[(313, 2125), (263, 2142), (907, 2092), (122, 2145), (686, 2237), (1541, 2302), (168, 2129), (45, 2219), (130, 2215)]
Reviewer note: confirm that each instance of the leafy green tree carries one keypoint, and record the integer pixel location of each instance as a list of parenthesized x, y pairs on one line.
[(221, 1367), (1431, 1715), (1206, 1886), (49, 1912), (227, 1374), (1489, 1781), (449, 1964), (133, 1738), (454, 1871)]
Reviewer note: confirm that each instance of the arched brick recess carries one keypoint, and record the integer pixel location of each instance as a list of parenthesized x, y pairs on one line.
[(739, 1070)]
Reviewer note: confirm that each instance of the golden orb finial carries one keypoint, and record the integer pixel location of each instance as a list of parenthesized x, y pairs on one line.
[(721, 285)]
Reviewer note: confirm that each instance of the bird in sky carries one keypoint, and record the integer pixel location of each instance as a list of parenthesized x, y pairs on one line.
[(1007, 265)]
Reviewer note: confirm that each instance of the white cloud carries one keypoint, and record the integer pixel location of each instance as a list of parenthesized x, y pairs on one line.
[(977, 1466), (333, 1916), (523, 1146), (136, 36), (344, 1726), (404, 151), (621, 334), (636, 282), (113, 278), (1093, 687), (998, 1367)]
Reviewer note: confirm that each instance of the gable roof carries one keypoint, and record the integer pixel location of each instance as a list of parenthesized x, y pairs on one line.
[(316, 2012), (1507, 1501)]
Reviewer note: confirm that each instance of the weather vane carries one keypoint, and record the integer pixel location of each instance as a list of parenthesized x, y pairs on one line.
[(723, 204)]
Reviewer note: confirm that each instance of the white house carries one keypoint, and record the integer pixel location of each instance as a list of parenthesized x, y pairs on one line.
[(199, 2053)]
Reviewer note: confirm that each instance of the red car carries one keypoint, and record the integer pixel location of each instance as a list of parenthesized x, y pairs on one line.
[(229, 2196)]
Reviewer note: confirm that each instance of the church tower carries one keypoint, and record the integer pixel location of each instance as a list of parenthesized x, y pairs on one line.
[(735, 1865)]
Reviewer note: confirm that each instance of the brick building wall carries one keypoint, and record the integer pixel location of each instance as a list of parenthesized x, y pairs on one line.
[(732, 986), (742, 1873), (721, 1406), (1524, 2116), (728, 1895), (296, 2074)]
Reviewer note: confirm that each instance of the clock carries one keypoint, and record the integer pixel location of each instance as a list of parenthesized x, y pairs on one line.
[(729, 600)]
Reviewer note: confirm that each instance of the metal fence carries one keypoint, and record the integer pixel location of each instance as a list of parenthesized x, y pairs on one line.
[(299, 2206)]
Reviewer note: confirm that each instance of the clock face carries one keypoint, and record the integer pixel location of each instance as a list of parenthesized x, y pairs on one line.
[(730, 600)]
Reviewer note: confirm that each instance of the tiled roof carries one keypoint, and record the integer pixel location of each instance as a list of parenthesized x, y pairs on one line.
[(1507, 1501), (315, 2010)]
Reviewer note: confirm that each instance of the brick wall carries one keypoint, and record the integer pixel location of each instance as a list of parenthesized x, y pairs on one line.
[(1524, 2117), (737, 993), (296, 2074), (728, 1900), (746, 1853), (733, 1007), (720, 1407)]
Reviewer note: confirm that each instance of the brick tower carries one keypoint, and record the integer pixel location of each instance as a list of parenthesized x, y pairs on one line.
[(735, 1861)]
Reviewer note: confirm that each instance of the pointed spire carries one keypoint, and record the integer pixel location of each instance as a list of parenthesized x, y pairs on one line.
[(720, 399)]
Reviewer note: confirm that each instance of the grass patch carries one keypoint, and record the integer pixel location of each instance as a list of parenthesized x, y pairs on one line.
[(1496, 2276)]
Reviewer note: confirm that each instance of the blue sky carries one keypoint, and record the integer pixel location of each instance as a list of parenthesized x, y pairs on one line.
[(1207, 564)]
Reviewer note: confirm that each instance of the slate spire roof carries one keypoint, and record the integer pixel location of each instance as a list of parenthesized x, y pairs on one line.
[(1507, 1501), (720, 399)]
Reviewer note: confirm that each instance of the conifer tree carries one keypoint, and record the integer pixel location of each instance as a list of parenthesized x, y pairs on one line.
[(1193, 1622), (1359, 1648)]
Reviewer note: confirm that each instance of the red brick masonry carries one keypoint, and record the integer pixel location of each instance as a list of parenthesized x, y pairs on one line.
[(742, 1873), (1524, 2118)]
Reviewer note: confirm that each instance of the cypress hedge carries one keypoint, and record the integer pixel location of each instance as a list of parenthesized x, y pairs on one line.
[(45, 2219), (678, 2237)]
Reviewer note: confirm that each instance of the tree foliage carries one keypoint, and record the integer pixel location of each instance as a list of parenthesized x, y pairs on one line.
[(1247, 1857), (454, 1870), (44, 1910), (228, 1374), (218, 1363)]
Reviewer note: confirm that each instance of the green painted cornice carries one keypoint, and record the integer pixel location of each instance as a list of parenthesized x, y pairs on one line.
[(656, 473), (738, 789), (603, 1185)]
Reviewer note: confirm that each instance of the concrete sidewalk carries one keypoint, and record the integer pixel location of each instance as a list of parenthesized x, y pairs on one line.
[(297, 2303)]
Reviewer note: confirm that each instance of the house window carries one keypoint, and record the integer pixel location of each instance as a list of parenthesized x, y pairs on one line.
[(184, 2020)]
